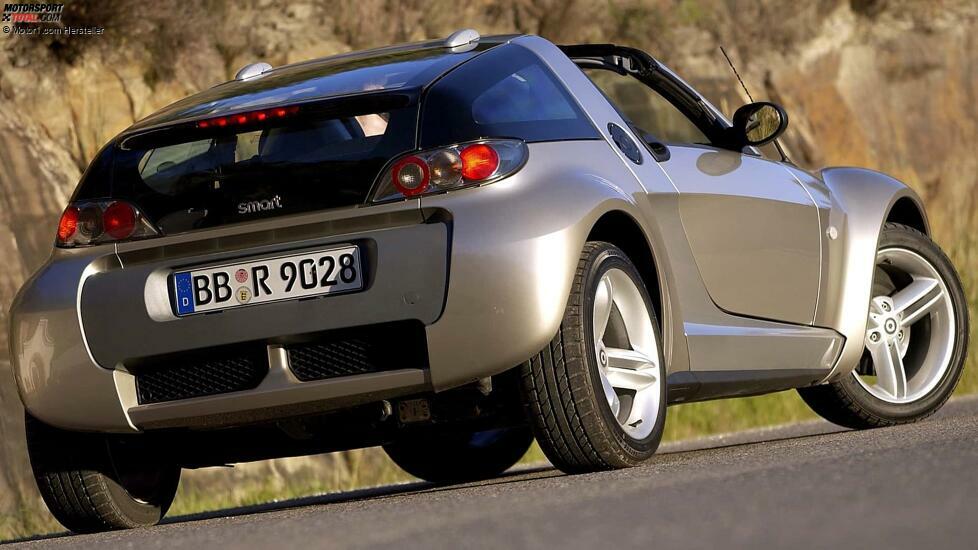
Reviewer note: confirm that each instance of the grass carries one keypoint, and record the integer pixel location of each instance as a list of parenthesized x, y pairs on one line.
[(277, 480)]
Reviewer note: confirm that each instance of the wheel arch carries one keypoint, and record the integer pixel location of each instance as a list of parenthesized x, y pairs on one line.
[(908, 211), (620, 229), (863, 201)]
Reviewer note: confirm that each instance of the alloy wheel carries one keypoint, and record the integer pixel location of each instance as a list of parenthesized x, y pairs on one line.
[(910, 331), (627, 353)]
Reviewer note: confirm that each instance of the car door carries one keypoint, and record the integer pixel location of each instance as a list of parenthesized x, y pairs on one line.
[(753, 229)]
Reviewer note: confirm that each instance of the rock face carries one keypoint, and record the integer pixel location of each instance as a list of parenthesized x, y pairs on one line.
[(891, 85)]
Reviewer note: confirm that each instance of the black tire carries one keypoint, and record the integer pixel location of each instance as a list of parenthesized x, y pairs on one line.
[(458, 457), (93, 483), (847, 403), (561, 389)]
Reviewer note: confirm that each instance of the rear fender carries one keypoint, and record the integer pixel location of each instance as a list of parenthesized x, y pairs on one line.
[(514, 254)]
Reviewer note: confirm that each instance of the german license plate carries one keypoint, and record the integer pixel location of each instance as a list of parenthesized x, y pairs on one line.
[(330, 271)]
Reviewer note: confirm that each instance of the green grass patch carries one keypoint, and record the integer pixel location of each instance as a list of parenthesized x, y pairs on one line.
[(28, 522)]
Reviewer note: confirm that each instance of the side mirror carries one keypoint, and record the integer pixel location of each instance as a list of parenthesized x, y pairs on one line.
[(759, 123)]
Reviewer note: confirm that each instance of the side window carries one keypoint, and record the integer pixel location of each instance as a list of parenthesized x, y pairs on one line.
[(526, 95), (645, 108), (504, 92)]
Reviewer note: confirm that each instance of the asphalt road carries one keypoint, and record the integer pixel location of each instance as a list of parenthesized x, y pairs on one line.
[(811, 485)]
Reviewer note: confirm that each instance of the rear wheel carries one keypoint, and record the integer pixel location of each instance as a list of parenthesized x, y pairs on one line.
[(460, 456), (596, 395), (93, 482), (916, 339)]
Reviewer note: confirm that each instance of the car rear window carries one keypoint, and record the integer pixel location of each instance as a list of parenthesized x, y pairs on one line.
[(187, 178), (386, 69), (505, 92)]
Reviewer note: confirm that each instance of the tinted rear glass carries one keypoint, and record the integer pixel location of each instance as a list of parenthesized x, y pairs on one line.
[(387, 69), (186, 178), (505, 92)]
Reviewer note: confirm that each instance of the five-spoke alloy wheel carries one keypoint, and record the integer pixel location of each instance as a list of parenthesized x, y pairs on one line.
[(916, 339), (911, 305)]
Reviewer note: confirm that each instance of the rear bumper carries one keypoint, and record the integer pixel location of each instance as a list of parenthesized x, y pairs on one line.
[(85, 327)]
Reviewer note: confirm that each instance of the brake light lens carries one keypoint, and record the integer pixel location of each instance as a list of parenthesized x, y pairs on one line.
[(243, 119), (450, 168), (89, 223), (68, 224), (479, 161), (119, 220)]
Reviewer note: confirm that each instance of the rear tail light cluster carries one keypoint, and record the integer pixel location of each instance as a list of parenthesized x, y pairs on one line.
[(97, 222), (450, 168)]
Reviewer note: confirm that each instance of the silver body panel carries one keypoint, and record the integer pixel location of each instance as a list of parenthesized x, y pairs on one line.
[(754, 293), (753, 230)]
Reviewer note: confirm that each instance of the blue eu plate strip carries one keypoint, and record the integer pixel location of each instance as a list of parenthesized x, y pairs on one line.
[(185, 293)]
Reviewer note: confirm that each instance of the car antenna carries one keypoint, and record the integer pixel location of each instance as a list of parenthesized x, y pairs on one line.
[(777, 144)]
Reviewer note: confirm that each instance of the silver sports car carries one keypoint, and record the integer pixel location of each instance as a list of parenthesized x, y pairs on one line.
[(447, 249)]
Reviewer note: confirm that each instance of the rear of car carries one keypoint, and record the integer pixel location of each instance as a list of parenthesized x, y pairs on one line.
[(262, 250), (347, 252)]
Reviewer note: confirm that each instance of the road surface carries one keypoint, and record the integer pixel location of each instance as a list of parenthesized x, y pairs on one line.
[(808, 485)]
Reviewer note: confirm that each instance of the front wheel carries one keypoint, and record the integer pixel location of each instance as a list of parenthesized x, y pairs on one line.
[(596, 395), (93, 482), (916, 339)]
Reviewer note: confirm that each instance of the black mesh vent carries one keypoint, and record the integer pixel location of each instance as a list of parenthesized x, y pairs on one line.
[(359, 351), (213, 372)]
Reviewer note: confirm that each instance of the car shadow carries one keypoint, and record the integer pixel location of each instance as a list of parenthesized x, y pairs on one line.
[(515, 475), (790, 432)]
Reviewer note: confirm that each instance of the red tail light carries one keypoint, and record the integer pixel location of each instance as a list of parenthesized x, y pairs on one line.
[(97, 222), (68, 224), (450, 168), (119, 220), (479, 161)]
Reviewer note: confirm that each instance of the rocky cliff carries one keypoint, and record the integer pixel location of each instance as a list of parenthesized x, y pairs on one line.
[(891, 85)]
